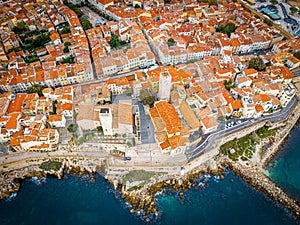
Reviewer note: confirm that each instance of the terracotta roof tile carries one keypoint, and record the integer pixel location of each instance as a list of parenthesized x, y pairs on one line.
[(56, 117), (209, 122), (169, 117), (16, 105), (236, 104), (12, 123)]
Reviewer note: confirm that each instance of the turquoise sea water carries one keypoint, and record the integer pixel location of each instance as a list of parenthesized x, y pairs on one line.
[(284, 169), (76, 201)]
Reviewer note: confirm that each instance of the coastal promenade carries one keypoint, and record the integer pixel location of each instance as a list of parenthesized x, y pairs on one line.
[(253, 173), (24, 159), (152, 159), (206, 144), (198, 160), (272, 150)]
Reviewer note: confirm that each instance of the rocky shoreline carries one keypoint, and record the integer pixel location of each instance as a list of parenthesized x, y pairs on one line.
[(10, 180), (292, 120), (261, 182), (142, 198), (252, 174)]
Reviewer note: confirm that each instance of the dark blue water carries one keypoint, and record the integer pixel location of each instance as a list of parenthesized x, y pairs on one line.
[(68, 201), (77, 201), (284, 169), (231, 201)]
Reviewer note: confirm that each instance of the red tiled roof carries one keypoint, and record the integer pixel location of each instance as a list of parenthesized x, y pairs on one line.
[(12, 123), (16, 105), (169, 116), (236, 104)]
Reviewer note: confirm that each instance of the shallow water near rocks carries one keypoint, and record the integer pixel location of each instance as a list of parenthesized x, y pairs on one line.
[(74, 200), (284, 168)]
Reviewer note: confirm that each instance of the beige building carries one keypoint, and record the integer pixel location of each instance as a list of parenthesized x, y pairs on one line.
[(189, 117), (125, 117), (88, 116), (114, 118), (106, 119), (209, 124), (286, 93), (165, 84), (117, 119)]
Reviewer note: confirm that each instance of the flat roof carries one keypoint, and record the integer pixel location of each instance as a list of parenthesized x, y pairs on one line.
[(104, 110)]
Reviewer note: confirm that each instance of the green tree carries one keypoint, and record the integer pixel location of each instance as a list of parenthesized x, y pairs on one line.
[(149, 100), (86, 24), (114, 42), (54, 104), (274, 2), (65, 30), (38, 42), (70, 59), (231, 27), (66, 50), (129, 144), (4, 18), (128, 91), (51, 165), (72, 128), (11, 50), (36, 88), (21, 25), (171, 42), (210, 2), (293, 9), (228, 84), (269, 22), (221, 29), (144, 93), (99, 128), (31, 58), (66, 47), (257, 63), (254, 137), (227, 29), (133, 142), (67, 43), (20, 28), (297, 55), (146, 97)]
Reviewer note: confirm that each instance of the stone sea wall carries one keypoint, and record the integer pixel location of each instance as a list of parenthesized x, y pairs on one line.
[(141, 193), (291, 121), (255, 177)]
